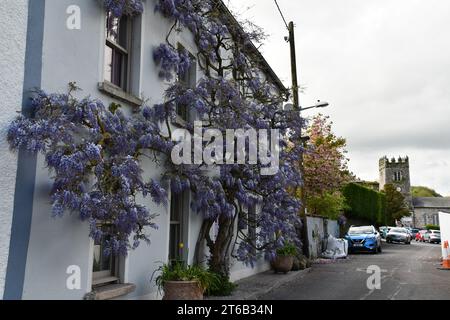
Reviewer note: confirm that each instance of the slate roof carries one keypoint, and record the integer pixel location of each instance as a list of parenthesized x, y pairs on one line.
[(431, 202)]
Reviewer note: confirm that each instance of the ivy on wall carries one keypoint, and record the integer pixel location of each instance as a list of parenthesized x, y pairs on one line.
[(366, 204)]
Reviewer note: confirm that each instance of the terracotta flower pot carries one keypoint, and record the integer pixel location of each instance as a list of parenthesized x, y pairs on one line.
[(182, 290), (283, 264)]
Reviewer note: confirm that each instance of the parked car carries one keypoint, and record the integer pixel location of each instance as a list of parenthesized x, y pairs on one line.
[(434, 236), (363, 238), (423, 236), (384, 231), (398, 235), (413, 232)]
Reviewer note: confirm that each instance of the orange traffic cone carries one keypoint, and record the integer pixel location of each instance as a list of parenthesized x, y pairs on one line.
[(446, 261)]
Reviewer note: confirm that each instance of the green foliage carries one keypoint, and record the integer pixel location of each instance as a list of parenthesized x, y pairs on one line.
[(179, 271), (287, 250), (366, 204), (396, 207), (329, 204), (432, 227), (424, 192), (221, 287)]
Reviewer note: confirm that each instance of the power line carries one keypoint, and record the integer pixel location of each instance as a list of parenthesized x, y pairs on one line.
[(282, 16)]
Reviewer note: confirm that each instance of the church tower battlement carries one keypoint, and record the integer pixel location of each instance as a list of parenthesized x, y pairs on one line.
[(396, 172)]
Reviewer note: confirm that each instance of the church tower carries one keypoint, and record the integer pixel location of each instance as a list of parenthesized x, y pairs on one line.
[(396, 172)]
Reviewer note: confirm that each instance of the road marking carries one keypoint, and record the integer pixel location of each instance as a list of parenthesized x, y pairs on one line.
[(365, 270), (392, 297)]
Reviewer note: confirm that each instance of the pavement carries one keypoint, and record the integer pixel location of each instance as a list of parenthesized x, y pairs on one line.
[(408, 272), (252, 288)]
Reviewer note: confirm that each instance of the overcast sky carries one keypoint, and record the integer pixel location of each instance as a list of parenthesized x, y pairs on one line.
[(384, 67)]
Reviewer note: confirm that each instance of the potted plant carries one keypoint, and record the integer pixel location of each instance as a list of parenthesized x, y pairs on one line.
[(182, 282), (284, 258)]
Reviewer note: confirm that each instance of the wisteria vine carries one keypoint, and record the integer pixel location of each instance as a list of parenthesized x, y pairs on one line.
[(233, 94), (96, 152), (118, 8)]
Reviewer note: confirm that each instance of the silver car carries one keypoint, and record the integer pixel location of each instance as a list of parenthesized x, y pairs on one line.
[(398, 235), (434, 236)]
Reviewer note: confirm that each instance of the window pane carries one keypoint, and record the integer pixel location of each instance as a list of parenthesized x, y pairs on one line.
[(112, 27), (176, 205), (119, 68), (123, 32), (175, 240), (108, 63), (188, 79), (102, 262), (117, 30)]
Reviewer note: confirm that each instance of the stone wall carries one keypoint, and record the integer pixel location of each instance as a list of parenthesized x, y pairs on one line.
[(319, 229)]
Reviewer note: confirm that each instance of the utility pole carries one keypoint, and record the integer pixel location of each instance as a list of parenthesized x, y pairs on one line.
[(296, 101), (293, 66), (298, 108)]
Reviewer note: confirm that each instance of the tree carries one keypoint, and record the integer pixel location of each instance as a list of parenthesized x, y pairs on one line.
[(328, 204), (325, 168), (421, 191), (396, 207)]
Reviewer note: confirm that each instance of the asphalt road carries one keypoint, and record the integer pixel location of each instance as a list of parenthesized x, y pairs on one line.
[(409, 272)]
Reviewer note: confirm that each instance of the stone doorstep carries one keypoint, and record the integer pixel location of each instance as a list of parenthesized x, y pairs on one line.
[(112, 291)]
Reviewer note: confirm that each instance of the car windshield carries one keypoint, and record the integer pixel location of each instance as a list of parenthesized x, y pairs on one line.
[(398, 230), (360, 230), (436, 232)]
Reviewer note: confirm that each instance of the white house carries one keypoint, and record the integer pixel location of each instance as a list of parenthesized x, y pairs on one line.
[(44, 252), (13, 39)]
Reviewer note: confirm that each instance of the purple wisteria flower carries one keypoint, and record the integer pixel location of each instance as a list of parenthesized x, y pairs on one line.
[(119, 8)]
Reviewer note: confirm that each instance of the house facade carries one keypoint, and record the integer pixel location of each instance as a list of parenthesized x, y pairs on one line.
[(13, 39), (426, 210), (68, 41)]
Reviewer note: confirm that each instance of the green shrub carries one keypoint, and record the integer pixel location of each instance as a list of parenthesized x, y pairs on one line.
[(287, 250), (179, 271), (366, 204), (221, 287), (432, 227)]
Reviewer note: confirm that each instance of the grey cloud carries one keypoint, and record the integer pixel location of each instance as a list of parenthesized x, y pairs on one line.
[(384, 67)]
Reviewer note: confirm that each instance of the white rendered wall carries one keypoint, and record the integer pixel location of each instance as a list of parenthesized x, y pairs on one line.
[(13, 26)]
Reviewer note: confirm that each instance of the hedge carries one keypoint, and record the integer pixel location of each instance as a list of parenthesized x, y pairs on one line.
[(366, 204)]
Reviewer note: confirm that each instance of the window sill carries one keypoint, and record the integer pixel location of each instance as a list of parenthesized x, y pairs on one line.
[(118, 93), (111, 291), (102, 281)]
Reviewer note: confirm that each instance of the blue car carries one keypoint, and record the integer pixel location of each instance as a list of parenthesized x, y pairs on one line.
[(365, 238)]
